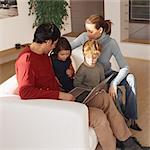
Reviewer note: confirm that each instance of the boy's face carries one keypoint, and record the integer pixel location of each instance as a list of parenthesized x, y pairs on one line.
[(90, 59), (63, 55), (91, 52)]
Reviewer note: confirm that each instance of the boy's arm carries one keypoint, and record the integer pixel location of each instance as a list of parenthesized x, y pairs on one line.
[(102, 72), (79, 78)]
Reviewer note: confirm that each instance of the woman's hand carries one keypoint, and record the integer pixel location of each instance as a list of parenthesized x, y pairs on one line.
[(66, 96), (113, 91)]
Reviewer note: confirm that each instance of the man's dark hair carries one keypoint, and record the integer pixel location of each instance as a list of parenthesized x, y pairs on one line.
[(48, 31)]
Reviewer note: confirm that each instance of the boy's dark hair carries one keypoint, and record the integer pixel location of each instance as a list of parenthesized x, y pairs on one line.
[(48, 31), (62, 44)]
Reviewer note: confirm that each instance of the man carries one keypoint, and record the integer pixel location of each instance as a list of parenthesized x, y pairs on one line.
[(34, 71)]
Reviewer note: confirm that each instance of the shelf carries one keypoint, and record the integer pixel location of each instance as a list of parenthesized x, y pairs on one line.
[(10, 54), (7, 62)]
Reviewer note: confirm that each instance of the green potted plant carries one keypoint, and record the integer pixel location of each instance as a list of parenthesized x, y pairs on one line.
[(48, 11)]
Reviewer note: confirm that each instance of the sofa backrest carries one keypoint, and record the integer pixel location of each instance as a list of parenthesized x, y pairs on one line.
[(9, 87), (77, 57)]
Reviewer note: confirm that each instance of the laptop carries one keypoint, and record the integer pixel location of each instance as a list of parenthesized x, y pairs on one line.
[(84, 95)]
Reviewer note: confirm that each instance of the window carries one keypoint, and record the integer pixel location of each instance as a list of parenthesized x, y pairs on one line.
[(139, 11)]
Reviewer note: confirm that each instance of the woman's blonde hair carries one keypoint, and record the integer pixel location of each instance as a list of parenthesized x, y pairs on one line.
[(92, 47)]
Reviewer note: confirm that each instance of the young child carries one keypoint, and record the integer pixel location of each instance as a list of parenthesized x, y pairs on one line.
[(62, 65), (90, 74)]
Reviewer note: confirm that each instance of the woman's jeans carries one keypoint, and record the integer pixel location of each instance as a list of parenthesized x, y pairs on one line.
[(130, 110)]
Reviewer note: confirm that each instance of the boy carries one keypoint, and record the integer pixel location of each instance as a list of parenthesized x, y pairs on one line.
[(90, 74)]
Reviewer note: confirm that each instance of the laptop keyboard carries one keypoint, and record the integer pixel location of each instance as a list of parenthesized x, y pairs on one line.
[(82, 96), (77, 91)]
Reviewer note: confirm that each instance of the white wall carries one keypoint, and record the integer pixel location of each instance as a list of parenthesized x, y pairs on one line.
[(16, 29), (136, 50), (19, 29)]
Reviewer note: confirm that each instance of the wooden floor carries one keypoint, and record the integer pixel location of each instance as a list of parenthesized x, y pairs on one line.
[(141, 70)]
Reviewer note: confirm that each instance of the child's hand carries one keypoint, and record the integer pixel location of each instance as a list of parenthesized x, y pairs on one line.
[(70, 73)]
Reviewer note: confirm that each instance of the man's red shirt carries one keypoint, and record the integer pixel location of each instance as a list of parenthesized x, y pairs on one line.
[(35, 75)]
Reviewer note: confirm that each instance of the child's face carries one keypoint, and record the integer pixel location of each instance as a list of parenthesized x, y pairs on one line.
[(63, 55), (91, 59)]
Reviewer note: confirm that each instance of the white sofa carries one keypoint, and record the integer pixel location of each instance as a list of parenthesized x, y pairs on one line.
[(43, 124)]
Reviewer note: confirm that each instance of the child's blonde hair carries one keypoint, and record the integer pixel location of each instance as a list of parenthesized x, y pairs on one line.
[(91, 48)]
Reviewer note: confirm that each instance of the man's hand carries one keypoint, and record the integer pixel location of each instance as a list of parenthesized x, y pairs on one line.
[(113, 91), (66, 96)]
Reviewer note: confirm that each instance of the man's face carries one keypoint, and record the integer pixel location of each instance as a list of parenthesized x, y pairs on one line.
[(92, 32), (49, 46)]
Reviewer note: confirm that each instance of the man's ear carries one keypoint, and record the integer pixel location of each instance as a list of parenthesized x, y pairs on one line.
[(100, 30), (49, 41)]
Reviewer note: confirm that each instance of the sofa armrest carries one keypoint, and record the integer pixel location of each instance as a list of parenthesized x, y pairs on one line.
[(43, 125)]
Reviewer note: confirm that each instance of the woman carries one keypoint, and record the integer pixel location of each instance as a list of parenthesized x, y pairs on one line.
[(100, 30)]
